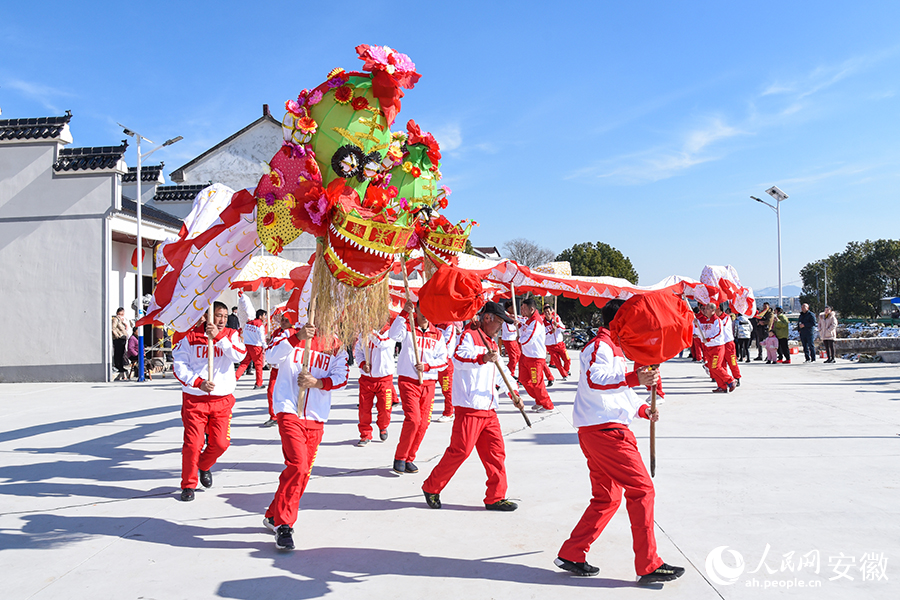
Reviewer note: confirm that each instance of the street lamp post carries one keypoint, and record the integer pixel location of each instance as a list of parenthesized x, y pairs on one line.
[(779, 197), (140, 263)]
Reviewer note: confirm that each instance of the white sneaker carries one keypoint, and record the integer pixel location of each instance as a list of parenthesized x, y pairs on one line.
[(538, 408), (444, 419)]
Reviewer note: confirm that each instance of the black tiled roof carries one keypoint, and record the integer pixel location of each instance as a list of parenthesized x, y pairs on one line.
[(152, 214), (33, 129), (148, 173), (178, 193), (90, 159)]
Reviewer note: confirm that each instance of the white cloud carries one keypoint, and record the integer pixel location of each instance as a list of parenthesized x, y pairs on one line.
[(448, 136), (43, 94)]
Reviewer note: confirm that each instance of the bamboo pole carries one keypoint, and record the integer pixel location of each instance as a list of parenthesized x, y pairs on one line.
[(653, 428), (412, 318), (509, 386), (306, 356), (210, 350)]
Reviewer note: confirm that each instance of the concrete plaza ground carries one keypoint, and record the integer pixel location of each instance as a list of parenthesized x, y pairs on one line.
[(796, 474)]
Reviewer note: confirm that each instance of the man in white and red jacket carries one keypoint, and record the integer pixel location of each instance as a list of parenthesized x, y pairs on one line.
[(255, 340), (302, 405), (715, 338), (376, 382), (206, 402), (416, 398), (476, 377), (556, 346), (509, 334), (731, 361), (534, 354), (450, 331), (605, 405), (284, 329)]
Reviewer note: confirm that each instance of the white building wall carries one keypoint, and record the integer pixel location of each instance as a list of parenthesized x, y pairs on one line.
[(241, 162)]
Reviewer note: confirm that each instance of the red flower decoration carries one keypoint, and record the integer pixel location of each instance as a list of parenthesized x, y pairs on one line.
[(359, 103), (269, 219), (443, 203), (343, 94), (415, 136), (392, 192), (415, 171)]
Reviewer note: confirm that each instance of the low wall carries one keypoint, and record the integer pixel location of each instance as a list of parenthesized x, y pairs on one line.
[(866, 345)]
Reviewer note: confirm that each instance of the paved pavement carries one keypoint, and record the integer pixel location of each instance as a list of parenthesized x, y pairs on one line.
[(795, 475)]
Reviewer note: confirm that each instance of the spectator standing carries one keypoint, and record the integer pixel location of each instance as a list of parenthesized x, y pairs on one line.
[(806, 325), (782, 329), (763, 325), (233, 321), (828, 332), (742, 331), (120, 336)]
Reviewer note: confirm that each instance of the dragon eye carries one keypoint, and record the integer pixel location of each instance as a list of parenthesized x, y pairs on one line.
[(347, 161)]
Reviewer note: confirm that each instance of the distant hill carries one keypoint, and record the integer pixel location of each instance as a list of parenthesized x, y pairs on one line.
[(786, 291)]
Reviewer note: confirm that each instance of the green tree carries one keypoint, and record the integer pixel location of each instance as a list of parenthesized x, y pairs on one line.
[(592, 260), (468, 249)]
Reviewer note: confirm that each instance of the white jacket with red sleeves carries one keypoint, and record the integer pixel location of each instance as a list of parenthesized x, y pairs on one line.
[(604, 393), (191, 366), (475, 381), (381, 355), (255, 333), (432, 349), (713, 330), (532, 337), (509, 332), (330, 367)]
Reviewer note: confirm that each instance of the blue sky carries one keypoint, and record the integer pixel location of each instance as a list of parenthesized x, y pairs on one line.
[(645, 125)]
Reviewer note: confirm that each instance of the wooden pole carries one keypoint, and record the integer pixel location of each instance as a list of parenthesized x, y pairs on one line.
[(210, 351), (412, 318), (512, 291), (509, 386), (653, 429), (306, 356)]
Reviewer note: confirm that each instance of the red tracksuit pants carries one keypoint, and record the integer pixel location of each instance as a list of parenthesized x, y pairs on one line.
[(548, 374), (559, 358), (715, 361), (513, 353), (445, 378), (203, 416), (731, 360), (370, 390), (300, 440), (417, 401), (256, 355), (615, 464), (531, 371), (697, 349), (273, 375), (479, 430)]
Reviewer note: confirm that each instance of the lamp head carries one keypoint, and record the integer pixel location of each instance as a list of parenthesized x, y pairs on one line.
[(776, 193)]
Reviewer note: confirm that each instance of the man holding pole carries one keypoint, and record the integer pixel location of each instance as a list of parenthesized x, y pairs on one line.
[(375, 356), (255, 339), (207, 395), (534, 352), (509, 334), (302, 405), (445, 377), (476, 379), (416, 378), (556, 345), (605, 405)]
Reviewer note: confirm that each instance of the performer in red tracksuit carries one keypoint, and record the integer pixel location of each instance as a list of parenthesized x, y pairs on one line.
[(534, 353), (302, 404), (696, 342), (509, 333), (206, 402), (283, 330), (450, 331), (475, 381), (376, 382), (255, 340), (730, 352), (417, 399), (714, 347), (604, 407), (556, 346)]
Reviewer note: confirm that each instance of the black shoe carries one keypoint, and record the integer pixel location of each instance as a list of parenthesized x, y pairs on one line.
[(758, 358), (269, 423), (411, 468), (719, 390), (382, 435), (206, 479), (362, 442), (738, 382), (284, 538), (187, 494), (550, 383), (258, 387), (269, 524), (581, 569), (503, 505), (433, 500), (663, 573), (399, 467)]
